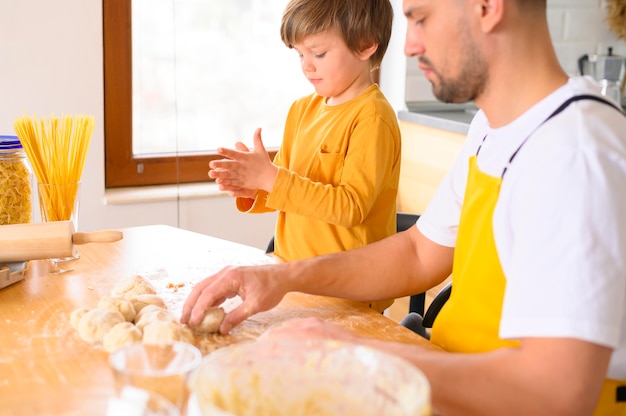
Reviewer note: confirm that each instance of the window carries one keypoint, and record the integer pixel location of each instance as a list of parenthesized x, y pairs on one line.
[(183, 77)]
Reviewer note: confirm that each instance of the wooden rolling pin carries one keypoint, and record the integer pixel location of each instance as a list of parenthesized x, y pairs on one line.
[(55, 239)]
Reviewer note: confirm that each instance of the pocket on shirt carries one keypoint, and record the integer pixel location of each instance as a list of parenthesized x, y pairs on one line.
[(329, 169)]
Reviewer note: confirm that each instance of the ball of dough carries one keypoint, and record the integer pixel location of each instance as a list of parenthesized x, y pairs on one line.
[(158, 314), (120, 335), (132, 286), (123, 306), (76, 315), (159, 331), (141, 301), (146, 310), (213, 317), (94, 324)]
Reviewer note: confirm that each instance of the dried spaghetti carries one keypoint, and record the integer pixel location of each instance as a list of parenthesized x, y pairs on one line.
[(56, 150)]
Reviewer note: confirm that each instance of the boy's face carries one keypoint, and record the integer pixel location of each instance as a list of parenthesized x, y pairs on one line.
[(440, 34), (335, 71)]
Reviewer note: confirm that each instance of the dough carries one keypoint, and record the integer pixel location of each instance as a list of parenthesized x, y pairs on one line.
[(132, 286), (141, 301), (121, 334), (123, 306), (213, 317), (158, 314), (146, 310), (76, 315), (95, 324), (167, 331)]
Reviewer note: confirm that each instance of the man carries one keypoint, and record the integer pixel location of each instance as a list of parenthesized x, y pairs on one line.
[(531, 220)]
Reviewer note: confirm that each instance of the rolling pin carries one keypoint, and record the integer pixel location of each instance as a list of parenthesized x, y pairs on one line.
[(55, 239)]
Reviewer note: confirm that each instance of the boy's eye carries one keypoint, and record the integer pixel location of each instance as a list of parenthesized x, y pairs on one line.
[(319, 55)]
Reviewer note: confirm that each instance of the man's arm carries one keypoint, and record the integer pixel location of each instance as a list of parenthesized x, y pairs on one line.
[(544, 376), (400, 265)]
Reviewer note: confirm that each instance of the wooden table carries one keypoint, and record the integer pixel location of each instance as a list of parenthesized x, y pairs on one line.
[(45, 368)]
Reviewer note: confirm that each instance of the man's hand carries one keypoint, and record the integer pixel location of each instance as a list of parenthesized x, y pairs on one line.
[(249, 283)]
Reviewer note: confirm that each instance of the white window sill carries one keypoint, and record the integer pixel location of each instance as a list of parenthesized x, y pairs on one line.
[(142, 194)]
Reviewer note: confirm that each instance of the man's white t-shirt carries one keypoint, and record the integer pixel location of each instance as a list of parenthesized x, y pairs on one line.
[(560, 220)]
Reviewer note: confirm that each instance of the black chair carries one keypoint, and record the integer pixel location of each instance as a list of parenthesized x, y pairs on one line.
[(404, 221), (436, 305), (421, 324), (417, 302), (417, 320), (270, 246)]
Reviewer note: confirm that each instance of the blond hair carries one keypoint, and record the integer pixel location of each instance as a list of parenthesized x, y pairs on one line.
[(361, 23)]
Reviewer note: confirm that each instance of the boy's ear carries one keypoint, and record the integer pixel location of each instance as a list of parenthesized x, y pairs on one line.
[(366, 53)]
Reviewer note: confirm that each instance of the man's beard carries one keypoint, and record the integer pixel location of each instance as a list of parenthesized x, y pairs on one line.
[(467, 85)]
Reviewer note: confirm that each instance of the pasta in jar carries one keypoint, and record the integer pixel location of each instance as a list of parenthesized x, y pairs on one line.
[(15, 184)]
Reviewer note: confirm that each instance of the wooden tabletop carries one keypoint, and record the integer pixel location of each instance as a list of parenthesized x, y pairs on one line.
[(45, 368)]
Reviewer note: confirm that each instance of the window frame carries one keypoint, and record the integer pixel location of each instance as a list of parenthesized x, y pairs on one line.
[(122, 168)]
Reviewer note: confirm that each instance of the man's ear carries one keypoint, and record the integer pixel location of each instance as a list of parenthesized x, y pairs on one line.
[(491, 14), (366, 53)]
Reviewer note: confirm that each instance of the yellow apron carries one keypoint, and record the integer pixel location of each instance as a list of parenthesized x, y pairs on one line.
[(470, 320)]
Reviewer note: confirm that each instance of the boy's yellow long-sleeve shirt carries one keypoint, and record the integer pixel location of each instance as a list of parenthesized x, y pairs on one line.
[(338, 175)]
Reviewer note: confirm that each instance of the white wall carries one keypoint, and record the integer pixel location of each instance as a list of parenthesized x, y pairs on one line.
[(393, 67), (51, 63)]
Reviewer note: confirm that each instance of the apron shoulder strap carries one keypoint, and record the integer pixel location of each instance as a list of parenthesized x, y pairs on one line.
[(582, 97), (557, 112)]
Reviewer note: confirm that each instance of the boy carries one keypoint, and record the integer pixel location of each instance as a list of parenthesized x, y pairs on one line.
[(334, 180)]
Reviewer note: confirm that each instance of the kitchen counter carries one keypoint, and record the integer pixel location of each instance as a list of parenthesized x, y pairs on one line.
[(450, 117), (454, 118)]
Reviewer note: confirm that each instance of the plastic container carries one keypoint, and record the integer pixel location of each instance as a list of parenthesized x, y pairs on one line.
[(307, 377), (15, 183)]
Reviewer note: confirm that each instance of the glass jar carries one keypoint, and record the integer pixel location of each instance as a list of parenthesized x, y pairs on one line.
[(15, 183)]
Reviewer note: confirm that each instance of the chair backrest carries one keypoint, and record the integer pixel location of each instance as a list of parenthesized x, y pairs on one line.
[(404, 221)]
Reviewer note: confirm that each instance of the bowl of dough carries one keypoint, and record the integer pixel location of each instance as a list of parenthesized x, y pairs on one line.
[(307, 377)]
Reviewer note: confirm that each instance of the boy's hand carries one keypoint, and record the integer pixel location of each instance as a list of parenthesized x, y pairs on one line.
[(243, 170)]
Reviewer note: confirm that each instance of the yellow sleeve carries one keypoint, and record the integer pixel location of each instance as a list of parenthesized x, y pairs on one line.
[(258, 204)]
